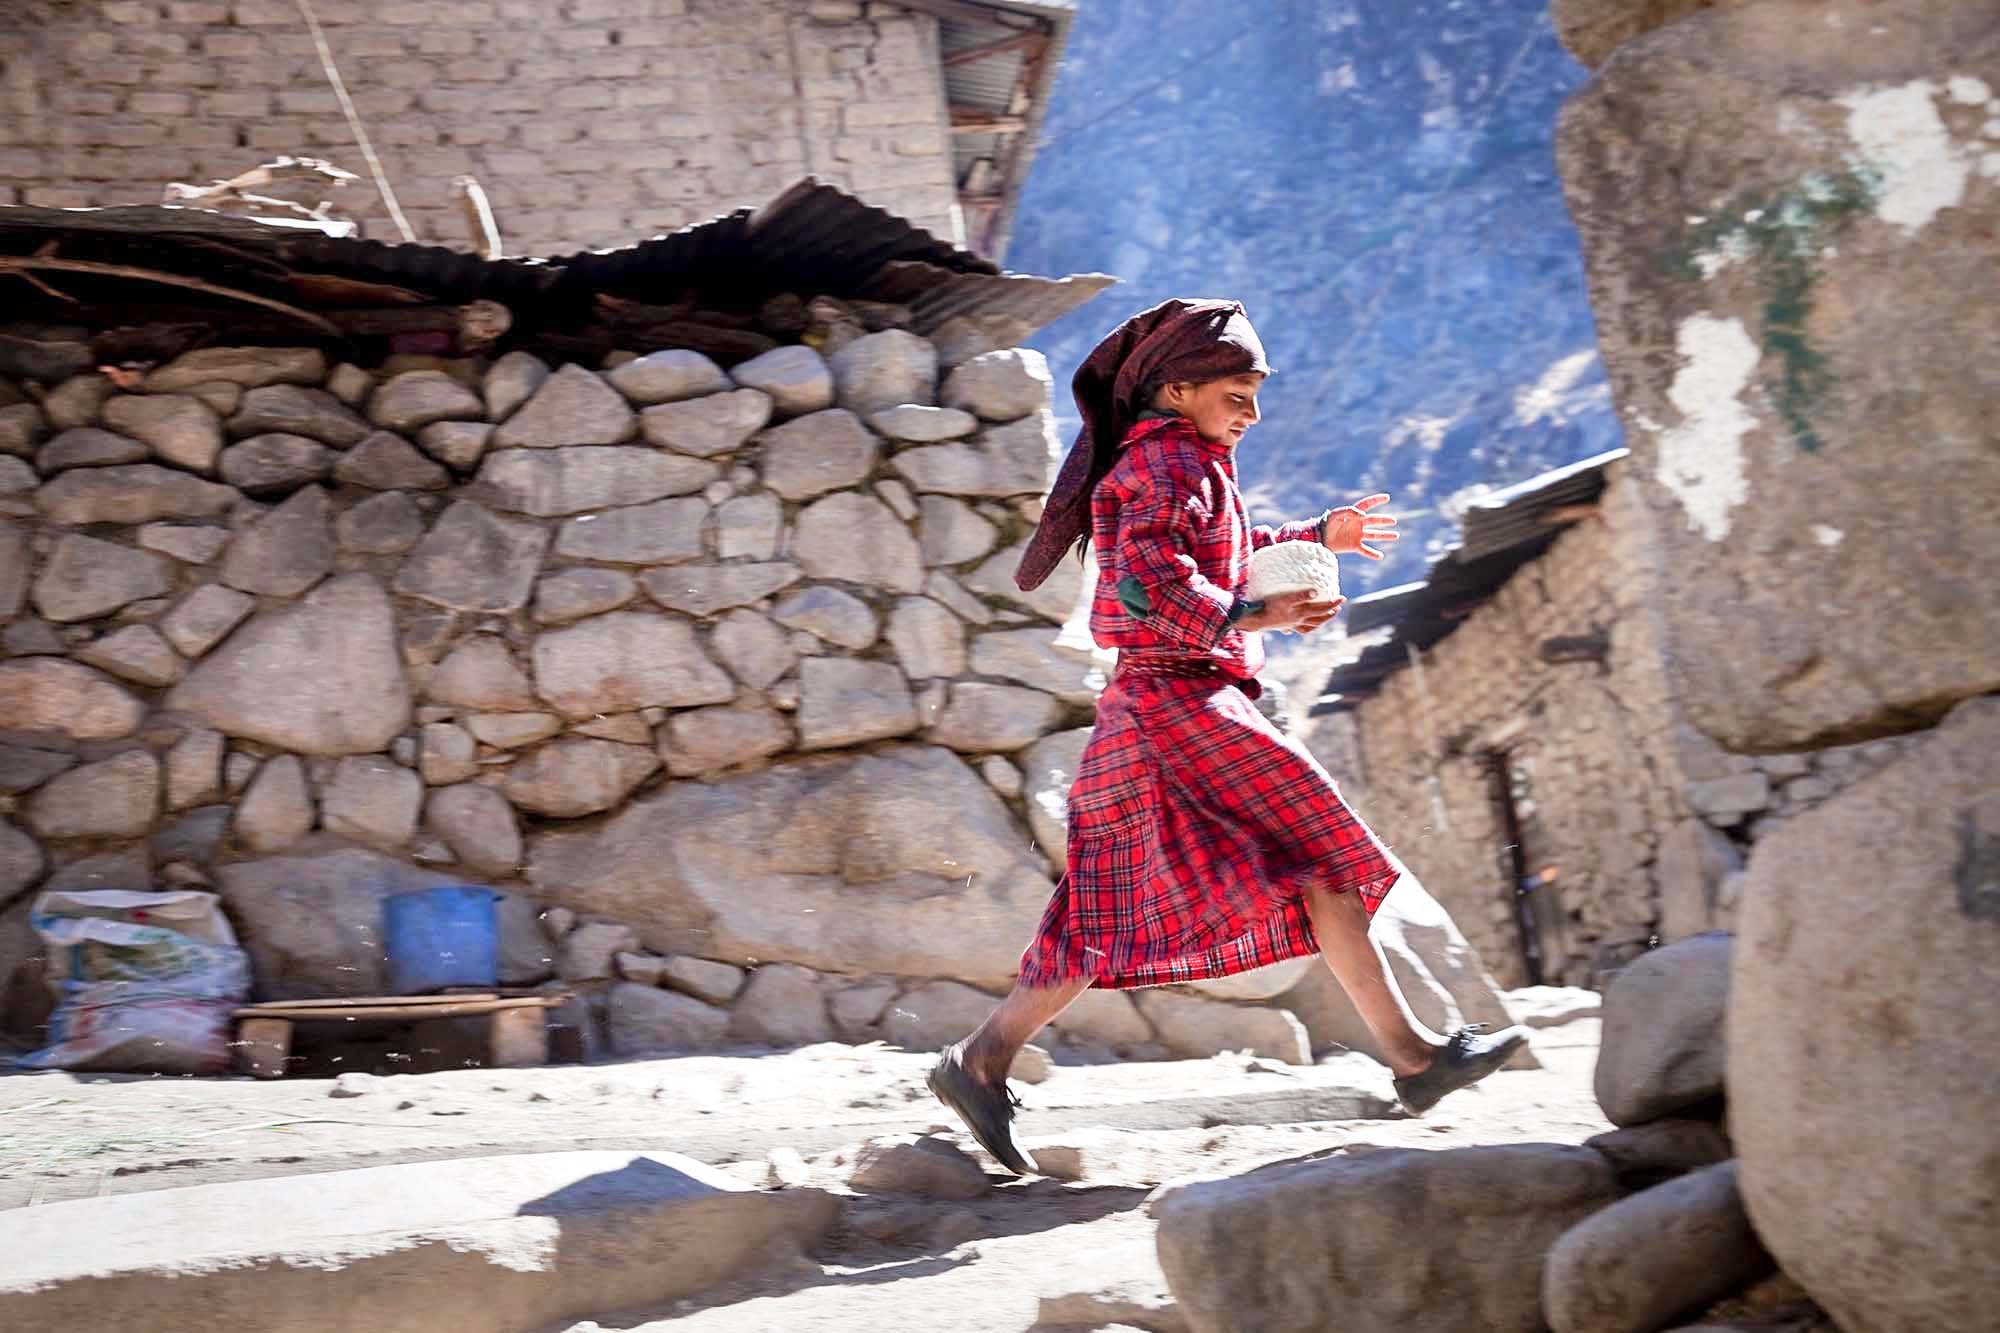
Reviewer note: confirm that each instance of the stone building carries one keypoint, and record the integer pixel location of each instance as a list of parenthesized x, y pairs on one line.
[(586, 122), (1512, 716)]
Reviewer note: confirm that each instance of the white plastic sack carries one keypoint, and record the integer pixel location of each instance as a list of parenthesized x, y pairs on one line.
[(1289, 566), (144, 982)]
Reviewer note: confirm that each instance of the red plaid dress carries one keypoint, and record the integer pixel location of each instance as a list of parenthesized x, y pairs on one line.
[(1195, 826)]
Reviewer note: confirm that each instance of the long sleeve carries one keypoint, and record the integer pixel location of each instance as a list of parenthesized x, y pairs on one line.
[(1306, 530), (1157, 530)]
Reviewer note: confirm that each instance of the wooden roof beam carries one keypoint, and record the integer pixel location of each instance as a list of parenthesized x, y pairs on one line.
[(1034, 37)]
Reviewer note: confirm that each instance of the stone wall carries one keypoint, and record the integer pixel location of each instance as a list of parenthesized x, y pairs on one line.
[(588, 122), (1647, 820)]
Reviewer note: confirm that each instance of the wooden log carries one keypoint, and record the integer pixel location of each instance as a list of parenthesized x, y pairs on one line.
[(352, 1001), (453, 1007), (262, 1045), (518, 1038)]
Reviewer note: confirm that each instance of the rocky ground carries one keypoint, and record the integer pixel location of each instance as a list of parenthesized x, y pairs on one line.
[(1002, 1255)]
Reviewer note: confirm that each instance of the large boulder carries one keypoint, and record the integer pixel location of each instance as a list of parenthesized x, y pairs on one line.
[(51, 694), (312, 919), (1593, 29), (354, 700), (1662, 1049), (832, 863), (1863, 1026), (1437, 969), (1788, 212), (1391, 1242)]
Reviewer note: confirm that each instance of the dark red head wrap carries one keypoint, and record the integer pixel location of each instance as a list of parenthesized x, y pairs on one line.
[(1177, 341)]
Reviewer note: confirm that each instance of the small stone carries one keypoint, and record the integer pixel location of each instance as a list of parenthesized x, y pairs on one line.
[(77, 401), (85, 578), (1728, 799), (128, 868), (22, 427), (623, 661), (646, 1019), (1001, 775), (834, 615), (795, 377), (385, 524), (670, 376), (702, 590), (21, 862), (1032, 1064), (884, 370), (578, 776), (290, 409), (508, 731), (827, 451), (857, 1009), (1645, 1155), (481, 674), (1035, 658), (511, 381), (475, 560), (286, 551), (748, 527), (558, 922), (205, 617), (112, 798), (924, 425), (552, 483), (1663, 1047), (1000, 386), (705, 427), (373, 800), (136, 653), (388, 462), (785, 1169), (843, 701), (755, 650), (410, 401), (195, 837), (922, 1166), (354, 1084), (717, 983), (573, 406), (446, 754), (247, 367), (1056, 600), (897, 496), (478, 825), (138, 493), (572, 594), (952, 532), (31, 637), (643, 969), (704, 740), (782, 1005), (929, 640), (856, 539), (86, 446), (190, 543), (218, 396), (237, 771), (350, 384), (659, 533), (994, 717), (457, 444), (17, 478), (626, 728), (718, 491), (25, 767)]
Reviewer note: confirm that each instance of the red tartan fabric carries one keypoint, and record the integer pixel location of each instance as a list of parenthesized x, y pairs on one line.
[(1195, 826)]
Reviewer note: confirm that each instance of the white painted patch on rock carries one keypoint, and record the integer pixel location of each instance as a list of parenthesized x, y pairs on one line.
[(1968, 91), (1899, 132), (1827, 536), (1701, 460)]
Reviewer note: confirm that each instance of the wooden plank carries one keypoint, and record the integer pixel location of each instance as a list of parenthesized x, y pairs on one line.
[(973, 120), (347, 1002), (262, 1045), (960, 11), (397, 1011), (1033, 37)]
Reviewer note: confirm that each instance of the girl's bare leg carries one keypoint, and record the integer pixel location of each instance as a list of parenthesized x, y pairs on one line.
[(990, 1051), (1340, 923)]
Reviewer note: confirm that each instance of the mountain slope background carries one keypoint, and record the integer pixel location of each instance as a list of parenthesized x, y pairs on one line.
[(1376, 182)]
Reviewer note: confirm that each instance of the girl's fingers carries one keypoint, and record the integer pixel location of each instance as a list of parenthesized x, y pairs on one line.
[(1372, 502), (1369, 552)]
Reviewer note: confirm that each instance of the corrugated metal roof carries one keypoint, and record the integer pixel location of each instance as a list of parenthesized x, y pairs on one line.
[(814, 240), (1503, 531)]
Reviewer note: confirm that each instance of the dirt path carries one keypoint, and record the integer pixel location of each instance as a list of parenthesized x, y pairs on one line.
[(1076, 1254)]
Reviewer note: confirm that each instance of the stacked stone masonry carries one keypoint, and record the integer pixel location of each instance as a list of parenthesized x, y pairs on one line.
[(587, 122), (721, 678), (1647, 821)]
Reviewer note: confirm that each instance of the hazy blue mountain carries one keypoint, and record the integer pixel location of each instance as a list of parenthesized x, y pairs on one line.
[(1376, 182)]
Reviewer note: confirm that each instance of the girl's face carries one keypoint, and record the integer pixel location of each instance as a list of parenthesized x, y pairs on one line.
[(1221, 410)]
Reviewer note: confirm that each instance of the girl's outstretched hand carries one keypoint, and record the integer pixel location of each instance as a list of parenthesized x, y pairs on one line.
[(1351, 528), (1298, 611)]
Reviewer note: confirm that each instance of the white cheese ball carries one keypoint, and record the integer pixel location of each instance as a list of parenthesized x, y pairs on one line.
[(1287, 566)]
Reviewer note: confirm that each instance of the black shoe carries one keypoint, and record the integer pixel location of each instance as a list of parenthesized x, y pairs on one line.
[(987, 1111), (1466, 1058)]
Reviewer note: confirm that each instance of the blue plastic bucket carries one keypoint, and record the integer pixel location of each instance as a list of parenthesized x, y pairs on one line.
[(441, 937)]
